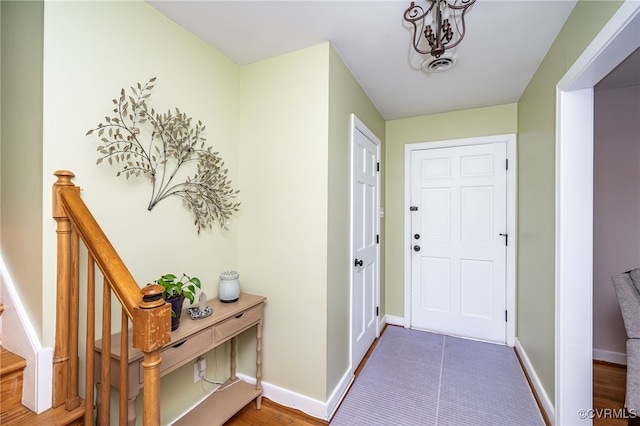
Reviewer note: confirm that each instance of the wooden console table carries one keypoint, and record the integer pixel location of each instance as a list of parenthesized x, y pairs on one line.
[(190, 340)]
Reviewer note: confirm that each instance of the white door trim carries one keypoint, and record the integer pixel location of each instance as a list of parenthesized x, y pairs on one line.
[(574, 207), (358, 125), (510, 140)]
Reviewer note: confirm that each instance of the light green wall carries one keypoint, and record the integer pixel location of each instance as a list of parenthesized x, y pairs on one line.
[(345, 97), (286, 118), (92, 50), (429, 128), (294, 238), (294, 219), (21, 167), (283, 232), (536, 186)]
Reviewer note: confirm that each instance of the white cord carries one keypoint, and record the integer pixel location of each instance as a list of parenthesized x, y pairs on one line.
[(220, 388), (211, 381)]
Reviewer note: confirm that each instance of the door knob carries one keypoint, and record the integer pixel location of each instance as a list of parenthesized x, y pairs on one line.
[(416, 236), (358, 262), (416, 248)]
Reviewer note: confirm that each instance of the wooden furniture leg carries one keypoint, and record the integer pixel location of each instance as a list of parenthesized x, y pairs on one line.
[(233, 359), (259, 364)]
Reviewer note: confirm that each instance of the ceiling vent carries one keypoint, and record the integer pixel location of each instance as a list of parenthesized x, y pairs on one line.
[(441, 64)]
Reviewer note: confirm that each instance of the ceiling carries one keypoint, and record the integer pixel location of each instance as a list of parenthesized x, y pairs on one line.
[(504, 45)]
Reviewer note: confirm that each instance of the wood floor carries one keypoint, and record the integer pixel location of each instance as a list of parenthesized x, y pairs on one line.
[(272, 414), (609, 382)]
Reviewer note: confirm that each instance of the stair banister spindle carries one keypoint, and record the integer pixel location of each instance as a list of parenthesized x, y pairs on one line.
[(124, 382), (91, 342), (105, 365), (73, 399)]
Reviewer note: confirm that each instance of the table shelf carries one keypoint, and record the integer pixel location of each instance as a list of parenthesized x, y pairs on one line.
[(220, 406)]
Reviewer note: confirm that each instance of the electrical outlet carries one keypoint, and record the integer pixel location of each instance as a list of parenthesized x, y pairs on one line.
[(199, 369)]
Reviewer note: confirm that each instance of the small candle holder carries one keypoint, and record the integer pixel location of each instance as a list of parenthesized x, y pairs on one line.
[(202, 310)]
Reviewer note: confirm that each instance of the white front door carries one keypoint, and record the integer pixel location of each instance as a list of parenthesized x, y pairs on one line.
[(458, 238), (365, 241)]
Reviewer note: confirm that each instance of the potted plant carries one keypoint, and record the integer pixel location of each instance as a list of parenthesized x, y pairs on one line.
[(175, 291)]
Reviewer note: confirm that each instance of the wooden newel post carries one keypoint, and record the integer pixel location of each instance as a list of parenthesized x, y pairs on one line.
[(151, 331), (61, 369)]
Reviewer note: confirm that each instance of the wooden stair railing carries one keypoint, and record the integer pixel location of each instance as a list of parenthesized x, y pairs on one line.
[(145, 308)]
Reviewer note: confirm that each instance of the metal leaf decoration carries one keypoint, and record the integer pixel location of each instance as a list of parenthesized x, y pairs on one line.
[(171, 140)]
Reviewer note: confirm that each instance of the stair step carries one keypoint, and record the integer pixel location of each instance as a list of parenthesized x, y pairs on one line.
[(22, 416), (11, 369), (10, 362), (16, 415)]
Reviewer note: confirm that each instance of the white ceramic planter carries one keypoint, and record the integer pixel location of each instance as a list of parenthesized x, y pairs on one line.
[(229, 289)]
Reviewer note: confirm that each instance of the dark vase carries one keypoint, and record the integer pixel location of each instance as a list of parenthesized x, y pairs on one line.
[(176, 306)]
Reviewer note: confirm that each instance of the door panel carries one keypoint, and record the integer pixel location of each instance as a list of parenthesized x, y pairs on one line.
[(436, 221), (436, 274), (459, 267), (365, 279), (476, 290), (476, 214)]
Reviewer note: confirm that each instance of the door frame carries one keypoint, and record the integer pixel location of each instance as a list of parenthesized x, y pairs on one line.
[(511, 142), (574, 200), (358, 125)]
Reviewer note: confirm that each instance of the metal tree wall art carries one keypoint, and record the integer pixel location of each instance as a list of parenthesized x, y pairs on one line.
[(156, 145)]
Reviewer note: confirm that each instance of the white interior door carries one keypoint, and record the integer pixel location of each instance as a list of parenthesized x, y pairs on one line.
[(458, 228), (365, 241)]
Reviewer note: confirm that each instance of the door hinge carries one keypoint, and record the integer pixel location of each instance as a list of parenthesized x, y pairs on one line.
[(506, 316), (377, 166), (377, 311), (507, 164), (377, 238)]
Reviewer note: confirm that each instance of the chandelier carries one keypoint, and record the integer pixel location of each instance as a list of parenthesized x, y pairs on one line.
[(441, 24)]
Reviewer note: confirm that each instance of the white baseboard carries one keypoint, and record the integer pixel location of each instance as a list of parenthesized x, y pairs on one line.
[(608, 356), (22, 340), (394, 320), (339, 393), (547, 404), (313, 407)]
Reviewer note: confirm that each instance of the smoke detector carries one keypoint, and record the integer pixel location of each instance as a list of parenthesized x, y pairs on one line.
[(444, 63)]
